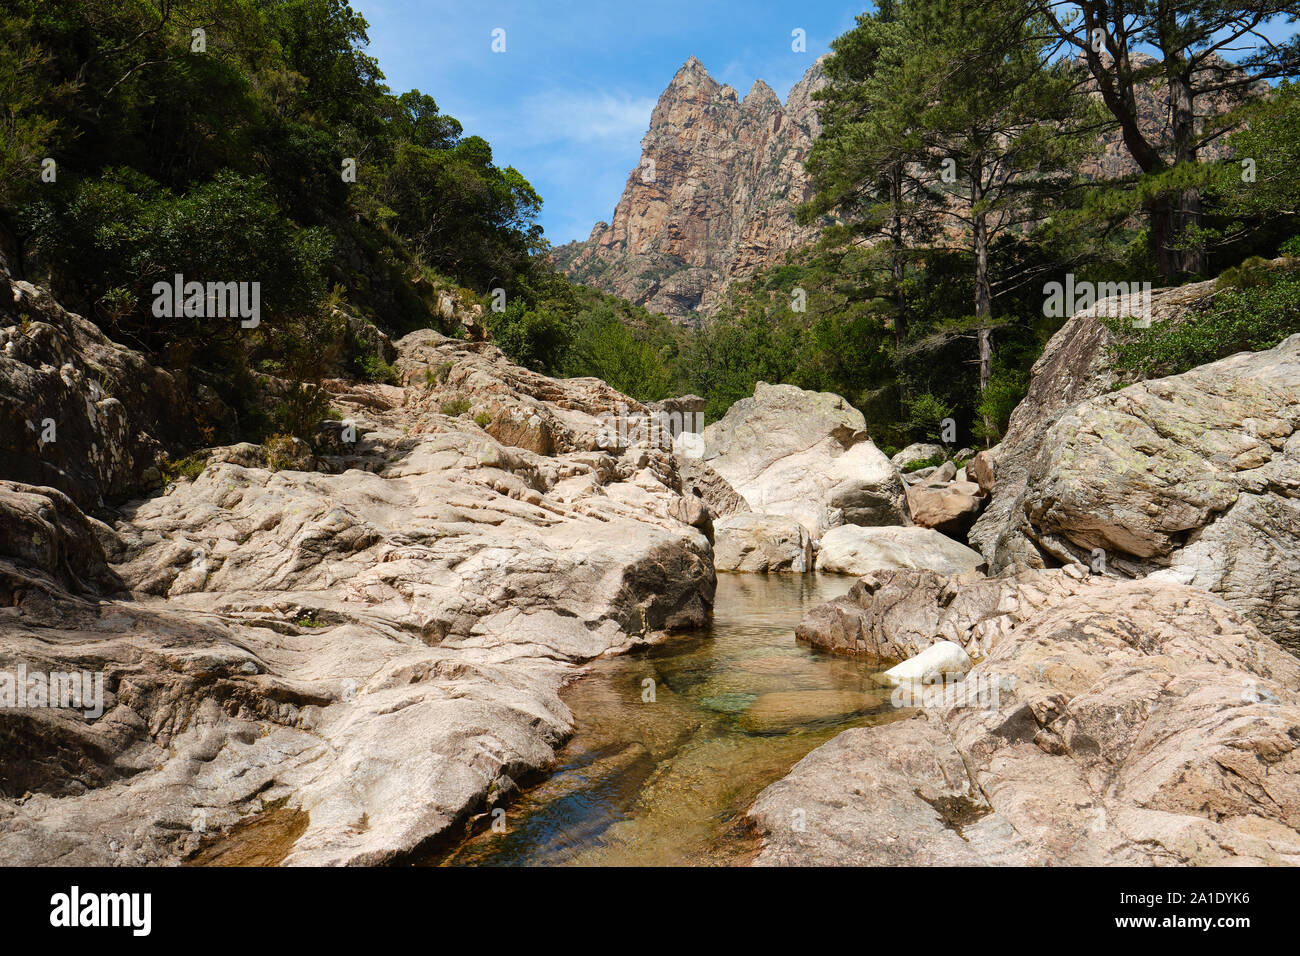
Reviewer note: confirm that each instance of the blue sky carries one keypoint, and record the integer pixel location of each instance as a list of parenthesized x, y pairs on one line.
[(569, 100)]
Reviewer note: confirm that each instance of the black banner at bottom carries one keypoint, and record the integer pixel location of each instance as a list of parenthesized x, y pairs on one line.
[(296, 906)]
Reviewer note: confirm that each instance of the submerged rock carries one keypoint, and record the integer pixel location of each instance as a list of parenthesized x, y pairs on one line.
[(784, 710)]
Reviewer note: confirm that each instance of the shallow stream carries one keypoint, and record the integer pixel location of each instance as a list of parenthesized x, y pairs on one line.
[(674, 742)]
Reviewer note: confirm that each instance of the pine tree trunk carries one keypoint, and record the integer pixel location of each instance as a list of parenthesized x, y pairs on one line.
[(983, 291), (1160, 238), (12, 251), (1184, 209), (896, 235)]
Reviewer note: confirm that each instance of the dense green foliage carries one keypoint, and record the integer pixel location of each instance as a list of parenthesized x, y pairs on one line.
[(949, 181), (894, 308), (262, 148), (1256, 315), (1207, 57), (570, 330)]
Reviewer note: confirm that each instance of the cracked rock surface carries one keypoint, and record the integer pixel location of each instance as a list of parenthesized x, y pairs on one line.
[(1192, 478), (1109, 722), (805, 455)]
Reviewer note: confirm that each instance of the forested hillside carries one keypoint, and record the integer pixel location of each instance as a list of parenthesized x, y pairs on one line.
[(976, 156), (955, 176), (242, 141)]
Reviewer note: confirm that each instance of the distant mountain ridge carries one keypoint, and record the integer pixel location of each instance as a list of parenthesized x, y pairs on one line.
[(712, 199)]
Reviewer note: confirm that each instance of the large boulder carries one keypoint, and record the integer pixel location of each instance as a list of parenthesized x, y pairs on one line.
[(805, 454), (1114, 723), (1075, 366), (889, 616), (850, 549), (79, 412), (983, 469), (748, 541), (1191, 477), (917, 451), (945, 504), (524, 409), (1195, 477), (701, 481), (43, 533)]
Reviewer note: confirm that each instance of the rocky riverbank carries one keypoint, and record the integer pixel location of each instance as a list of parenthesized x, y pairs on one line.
[(372, 635), (1108, 722), (1135, 696), (359, 643)]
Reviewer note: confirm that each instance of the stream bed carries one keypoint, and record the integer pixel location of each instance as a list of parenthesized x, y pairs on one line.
[(673, 742)]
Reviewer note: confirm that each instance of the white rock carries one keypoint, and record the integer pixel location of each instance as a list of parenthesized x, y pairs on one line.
[(937, 660), (917, 451), (804, 454), (749, 541), (851, 549)]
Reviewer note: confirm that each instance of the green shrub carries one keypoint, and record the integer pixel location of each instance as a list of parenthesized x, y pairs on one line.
[(1251, 273), (933, 461), (110, 238), (188, 468), (1245, 319), (280, 452), (483, 420), (924, 415), (1005, 390), (374, 369), (606, 348), (538, 338), (302, 409), (455, 407)]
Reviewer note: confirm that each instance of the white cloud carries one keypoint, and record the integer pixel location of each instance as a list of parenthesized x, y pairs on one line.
[(615, 120)]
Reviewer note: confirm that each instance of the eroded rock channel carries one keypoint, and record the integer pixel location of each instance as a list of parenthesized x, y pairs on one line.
[(667, 780)]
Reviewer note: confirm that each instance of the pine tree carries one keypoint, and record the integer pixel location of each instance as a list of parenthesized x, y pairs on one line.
[(1193, 41), (959, 97), (868, 164)]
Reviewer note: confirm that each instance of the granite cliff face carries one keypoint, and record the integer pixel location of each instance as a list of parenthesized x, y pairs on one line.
[(712, 198)]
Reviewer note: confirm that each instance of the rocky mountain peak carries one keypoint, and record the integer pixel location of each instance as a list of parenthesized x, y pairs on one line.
[(714, 195), (690, 81), (692, 67), (761, 97), (712, 198)]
